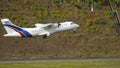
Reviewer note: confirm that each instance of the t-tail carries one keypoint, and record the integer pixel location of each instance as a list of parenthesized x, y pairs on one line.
[(13, 30), (6, 24)]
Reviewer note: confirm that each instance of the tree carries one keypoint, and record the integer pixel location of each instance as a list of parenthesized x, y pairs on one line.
[(116, 2)]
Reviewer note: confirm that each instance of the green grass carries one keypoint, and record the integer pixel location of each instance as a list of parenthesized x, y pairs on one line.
[(96, 36), (82, 64)]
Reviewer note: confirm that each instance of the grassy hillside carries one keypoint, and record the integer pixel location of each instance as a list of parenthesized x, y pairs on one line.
[(96, 37)]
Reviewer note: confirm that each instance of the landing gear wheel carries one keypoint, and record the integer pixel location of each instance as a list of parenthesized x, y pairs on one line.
[(45, 36)]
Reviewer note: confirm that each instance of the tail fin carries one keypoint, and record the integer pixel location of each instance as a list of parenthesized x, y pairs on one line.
[(7, 28)]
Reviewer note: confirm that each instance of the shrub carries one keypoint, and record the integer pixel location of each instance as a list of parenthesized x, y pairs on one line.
[(69, 1), (92, 28), (88, 23), (63, 16), (35, 5), (45, 14), (25, 1), (40, 21), (40, 13), (7, 4), (46, 7), (88, 1), (112, 14), (116, 24), (86, 31), (98, 6), (108, 14), (66, 35), (101, 2), (12, 8), (99, 21), (78, 5), (91, 25), (58, 3), (116, 3), (83, 14)]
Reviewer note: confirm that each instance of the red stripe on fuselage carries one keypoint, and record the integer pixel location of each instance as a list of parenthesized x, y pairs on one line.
[(22, 35)]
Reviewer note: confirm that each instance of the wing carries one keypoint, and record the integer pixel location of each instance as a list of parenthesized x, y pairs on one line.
[(50, 25), (44, 25)]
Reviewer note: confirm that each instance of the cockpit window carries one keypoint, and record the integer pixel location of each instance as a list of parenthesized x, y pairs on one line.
[(71, 23)]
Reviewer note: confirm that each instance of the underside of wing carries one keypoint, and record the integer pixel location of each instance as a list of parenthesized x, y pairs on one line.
[(45, 34)]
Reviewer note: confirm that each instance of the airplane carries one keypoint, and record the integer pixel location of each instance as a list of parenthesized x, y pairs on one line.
[(44, 30)]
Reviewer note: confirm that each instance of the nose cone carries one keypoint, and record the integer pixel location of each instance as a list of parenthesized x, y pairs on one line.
[(77, 25)]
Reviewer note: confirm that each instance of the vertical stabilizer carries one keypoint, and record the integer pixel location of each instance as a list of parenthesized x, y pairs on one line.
[(7, 28)]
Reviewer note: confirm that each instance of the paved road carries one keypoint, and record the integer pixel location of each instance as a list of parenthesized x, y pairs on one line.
[(55, 60)]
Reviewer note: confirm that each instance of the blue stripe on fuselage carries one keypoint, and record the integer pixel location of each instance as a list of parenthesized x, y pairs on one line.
[(19, 29)]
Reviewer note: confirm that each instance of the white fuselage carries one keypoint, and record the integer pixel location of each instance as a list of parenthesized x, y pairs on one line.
[(55, 27)]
